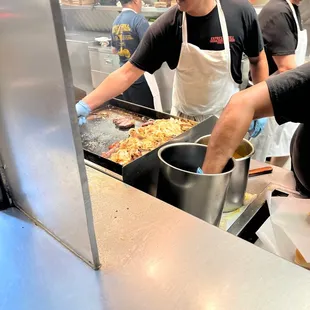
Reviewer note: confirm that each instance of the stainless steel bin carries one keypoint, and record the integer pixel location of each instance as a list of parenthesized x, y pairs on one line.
[(201, 195), (239, 178)]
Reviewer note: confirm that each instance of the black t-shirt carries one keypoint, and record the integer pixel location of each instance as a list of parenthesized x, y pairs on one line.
[(162, 42), (279, 30), (290, 98)]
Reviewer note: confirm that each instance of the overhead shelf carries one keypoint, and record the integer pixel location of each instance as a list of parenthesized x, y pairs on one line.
[(100, 18), (113, 8)]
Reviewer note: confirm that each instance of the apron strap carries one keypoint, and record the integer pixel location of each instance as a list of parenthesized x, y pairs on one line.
[(223, 29), (184, 28), (294, 14), (224, 33)]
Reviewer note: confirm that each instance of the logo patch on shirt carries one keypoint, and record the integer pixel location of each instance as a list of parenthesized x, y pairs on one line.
[(219, 40), (121, 34)]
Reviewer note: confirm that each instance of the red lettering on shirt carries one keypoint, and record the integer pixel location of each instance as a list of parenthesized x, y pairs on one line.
[(219, 40)]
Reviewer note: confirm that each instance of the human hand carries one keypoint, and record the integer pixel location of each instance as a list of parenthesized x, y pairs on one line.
[(82, 110), (257, 126)]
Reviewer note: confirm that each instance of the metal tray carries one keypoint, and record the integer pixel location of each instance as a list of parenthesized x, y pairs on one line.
[(246, 226), (142, 173)]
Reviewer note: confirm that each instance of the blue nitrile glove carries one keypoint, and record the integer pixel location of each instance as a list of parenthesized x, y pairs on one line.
[(257, 127), (199, 170), (82, 110)]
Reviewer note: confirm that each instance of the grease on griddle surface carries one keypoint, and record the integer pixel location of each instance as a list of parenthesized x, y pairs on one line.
[(100, 131)]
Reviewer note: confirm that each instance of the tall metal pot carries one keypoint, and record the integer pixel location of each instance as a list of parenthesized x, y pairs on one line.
[(201, 195), (239, 178)]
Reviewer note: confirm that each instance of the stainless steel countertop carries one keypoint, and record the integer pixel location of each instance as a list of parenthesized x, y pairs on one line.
[(153, 257), (282, 177)]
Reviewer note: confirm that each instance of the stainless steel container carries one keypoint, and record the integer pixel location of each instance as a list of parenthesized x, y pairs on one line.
[(239, 178), (201, 195)]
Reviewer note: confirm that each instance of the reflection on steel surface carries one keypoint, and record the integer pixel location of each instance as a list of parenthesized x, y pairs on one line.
[(39, 136), (158, 258)]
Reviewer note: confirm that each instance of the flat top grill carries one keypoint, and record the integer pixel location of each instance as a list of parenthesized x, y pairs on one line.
[(100, 131)]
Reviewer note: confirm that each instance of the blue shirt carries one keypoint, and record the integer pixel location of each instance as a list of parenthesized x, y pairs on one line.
[(127, 32)]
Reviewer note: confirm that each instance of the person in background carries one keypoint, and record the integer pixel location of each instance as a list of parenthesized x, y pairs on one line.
[(204, 41), (285, 96), (285, 45), (305, 16), (127, 32)]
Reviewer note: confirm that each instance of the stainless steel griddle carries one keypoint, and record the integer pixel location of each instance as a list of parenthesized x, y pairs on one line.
[(100, 132)]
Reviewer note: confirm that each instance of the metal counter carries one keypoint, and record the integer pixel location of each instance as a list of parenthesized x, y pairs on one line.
[(153, 257), (245, 221), (282, 177)]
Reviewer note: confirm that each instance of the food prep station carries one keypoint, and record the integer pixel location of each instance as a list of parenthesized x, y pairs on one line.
[(153, 257), (79, 231), (100, 133)]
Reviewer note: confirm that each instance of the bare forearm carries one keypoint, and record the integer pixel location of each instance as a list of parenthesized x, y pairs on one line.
[(234, 123), (227, 135), (285, 68), (259, 67), (113, 85), (285, 63), (259, 70)]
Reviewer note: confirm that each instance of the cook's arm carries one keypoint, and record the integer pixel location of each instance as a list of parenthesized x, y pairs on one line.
[(259, 67), (232, 126), (149, 56), (285, 63), (117, 82)]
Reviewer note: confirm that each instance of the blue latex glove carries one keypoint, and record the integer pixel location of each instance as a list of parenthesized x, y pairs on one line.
[(257, 127), (82, 110), (199, 170)]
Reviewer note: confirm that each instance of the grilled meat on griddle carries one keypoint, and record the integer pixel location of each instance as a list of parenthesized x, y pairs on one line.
[(124, 122), (113, 148)]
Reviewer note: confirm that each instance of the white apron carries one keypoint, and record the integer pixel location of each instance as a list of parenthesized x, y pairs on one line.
[(203, 83), (151, 81), (275, 140)]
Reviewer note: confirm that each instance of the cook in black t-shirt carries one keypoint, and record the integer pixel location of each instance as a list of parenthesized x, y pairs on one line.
[(162, 42), (285, 96), (290, 99), (279, 30)]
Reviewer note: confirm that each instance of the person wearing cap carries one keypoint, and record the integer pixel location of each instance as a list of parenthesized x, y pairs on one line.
[(204, 40), (127, 32), (286, 97)]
